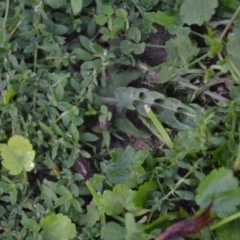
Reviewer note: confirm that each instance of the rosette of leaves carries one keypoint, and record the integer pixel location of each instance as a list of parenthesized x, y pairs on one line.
[(17, 155)]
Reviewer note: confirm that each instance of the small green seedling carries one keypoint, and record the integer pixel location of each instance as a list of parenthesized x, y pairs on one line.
[(105, 114)]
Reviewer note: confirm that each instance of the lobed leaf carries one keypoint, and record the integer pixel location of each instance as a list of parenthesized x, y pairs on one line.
[(229, 231), (189, 141), (197, 11), (18, 155), (116, 201), (143, 192), (126, 167), (91, 217), (57, 227), (221, 189), (169, 110)]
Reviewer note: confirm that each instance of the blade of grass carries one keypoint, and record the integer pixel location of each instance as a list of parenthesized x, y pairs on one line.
[(96, 199), (164, 134)]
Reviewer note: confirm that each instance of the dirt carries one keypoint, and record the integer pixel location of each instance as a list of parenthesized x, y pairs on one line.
[(154, 56)]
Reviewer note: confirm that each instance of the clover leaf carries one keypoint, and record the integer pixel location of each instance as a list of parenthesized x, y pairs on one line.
[(18, 155)]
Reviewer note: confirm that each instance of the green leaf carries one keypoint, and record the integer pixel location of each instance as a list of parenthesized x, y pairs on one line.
[(186, 195), (119, 22), (48, 192), (215, 45), (91, 217), (226, 203), (160, 18), (112, 231), (91, 28), (101, 19), (233, 48), (169, 110), (220, 188), (134, 34), (56, 3), (181, 50), (126, 167), (121, 13), (128, 95), (189, 141), (116, 201), (57, 29), (74, 132), (57, 227), (18, 155), (229, 231), (106, 139), (82, 54), (125, 125), (166, 73), (2, 37), (130, 223), (77, 205), (143, 192), (139, 48), (10, 93), (124, 78), (76, 6), (127, 46), (197, 11), (59, 92), (88, 137), (108, 10), (46, 128), (87, 44)]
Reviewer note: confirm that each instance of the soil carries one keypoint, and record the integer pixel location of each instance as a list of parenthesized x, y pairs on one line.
[(154, 56)]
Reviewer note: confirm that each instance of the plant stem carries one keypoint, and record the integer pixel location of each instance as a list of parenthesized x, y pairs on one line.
[(155, 45), (6, 15), (25, 177), (197, 34), (179, 182), (198, 59), (225, 221), (218, 23), (139, 9), (236, 165), (233, 67), (229, 23)]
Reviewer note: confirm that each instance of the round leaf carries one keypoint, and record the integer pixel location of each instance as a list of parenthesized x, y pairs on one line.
[(134, 34), (56, 3), (76, 6), (127, 46), (101, 19), (18, 155), (57, 227)]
